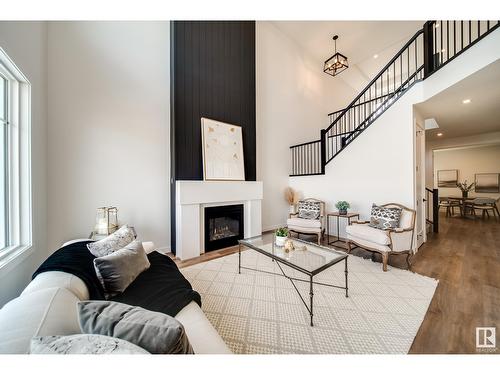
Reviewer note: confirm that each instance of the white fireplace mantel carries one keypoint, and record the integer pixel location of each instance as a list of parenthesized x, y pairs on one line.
[(193, 196)]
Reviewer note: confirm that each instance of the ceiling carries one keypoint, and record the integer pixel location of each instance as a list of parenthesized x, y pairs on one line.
[(358, 40), (455, 119)]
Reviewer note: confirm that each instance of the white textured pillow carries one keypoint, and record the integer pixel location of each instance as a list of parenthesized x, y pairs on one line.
[(118, 270), (83, 344), (115, 241)]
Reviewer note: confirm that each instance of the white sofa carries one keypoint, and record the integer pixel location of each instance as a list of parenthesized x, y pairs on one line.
[(47, 306)]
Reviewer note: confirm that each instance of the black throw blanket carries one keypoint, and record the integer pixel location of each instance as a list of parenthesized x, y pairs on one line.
[(77, 260), (160, 288)]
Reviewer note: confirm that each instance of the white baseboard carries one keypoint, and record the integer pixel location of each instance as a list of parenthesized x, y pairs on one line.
[(272, 227)]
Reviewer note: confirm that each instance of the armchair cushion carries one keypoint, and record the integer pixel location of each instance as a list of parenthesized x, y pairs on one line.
[(309, 210), (303, 223), (368, 233), (369, 244)]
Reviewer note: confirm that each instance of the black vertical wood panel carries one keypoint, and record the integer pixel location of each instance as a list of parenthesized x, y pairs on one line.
[(214, 68), (213, 76)]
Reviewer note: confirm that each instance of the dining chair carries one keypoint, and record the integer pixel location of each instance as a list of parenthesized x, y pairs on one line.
[(450, 205), (484, 205)]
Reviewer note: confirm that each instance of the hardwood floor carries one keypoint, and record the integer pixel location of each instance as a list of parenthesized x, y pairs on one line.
[(465, 257)]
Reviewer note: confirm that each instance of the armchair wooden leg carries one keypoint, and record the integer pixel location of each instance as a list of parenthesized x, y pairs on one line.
[(385, 258), (348, 243), (408, 260), (319, 238)]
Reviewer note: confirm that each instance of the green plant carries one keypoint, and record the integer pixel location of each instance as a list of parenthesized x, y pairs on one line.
[(465, 187), (342, 205), (281, 232)]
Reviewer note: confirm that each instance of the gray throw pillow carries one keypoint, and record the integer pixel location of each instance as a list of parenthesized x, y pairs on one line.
[(118, 270), (385, 217), (83, 344), (309, 210), (155, 332), (115, 241)]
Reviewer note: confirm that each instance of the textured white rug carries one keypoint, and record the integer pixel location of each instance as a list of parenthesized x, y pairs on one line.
[(260, 313)]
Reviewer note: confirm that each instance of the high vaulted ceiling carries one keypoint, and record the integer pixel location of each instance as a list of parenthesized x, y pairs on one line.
[(456, 119), (358, 40)]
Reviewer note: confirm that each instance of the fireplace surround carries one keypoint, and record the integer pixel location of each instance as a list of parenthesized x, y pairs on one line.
[(192, 197)]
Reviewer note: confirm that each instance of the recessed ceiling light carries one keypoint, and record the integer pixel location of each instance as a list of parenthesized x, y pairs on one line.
[(439, 134), (375, 56), (466, 101)]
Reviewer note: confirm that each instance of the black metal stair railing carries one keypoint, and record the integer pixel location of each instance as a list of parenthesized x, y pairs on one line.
[(306, 159), (427, 51), (398, 75)]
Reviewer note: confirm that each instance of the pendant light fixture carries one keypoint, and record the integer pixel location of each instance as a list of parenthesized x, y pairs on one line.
[(337, 63)]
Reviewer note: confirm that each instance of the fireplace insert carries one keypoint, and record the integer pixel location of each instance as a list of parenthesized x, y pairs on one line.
[(223, 226)]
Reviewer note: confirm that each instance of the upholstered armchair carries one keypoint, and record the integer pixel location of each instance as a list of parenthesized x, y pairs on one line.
[(384, 241), (310, 218)]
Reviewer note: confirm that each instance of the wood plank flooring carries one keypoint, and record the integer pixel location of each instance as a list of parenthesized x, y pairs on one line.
[(465, 257)]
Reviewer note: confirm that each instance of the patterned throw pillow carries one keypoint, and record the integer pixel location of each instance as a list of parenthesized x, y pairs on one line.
[(309, 210), (115, 241), (385, 217), (83, 344)]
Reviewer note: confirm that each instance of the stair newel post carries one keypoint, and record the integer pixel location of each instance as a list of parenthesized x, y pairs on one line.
[(435, 210), (323, 150), (429, 63)]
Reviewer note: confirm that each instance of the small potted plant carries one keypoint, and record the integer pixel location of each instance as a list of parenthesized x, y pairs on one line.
[(281, 236), (342, 206), (465, 188)]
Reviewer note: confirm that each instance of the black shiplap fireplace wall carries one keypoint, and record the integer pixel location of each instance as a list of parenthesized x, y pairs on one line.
[(212, 75)]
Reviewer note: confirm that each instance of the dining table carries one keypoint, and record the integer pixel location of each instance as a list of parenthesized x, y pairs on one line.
[(463, 201)]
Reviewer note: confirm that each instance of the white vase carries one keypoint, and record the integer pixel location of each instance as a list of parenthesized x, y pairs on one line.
[(292, 208), (280, 241)]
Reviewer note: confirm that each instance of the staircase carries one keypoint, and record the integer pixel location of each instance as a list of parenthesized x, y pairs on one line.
[(431, 48)]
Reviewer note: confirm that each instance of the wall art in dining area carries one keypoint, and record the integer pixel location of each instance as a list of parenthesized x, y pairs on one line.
[(447, 178), (487, 182)]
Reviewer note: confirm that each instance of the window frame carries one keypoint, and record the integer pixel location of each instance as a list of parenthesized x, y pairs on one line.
[(18, 162)]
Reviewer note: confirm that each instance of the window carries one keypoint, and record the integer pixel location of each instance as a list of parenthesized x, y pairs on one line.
[(4, 123), (15, 161)]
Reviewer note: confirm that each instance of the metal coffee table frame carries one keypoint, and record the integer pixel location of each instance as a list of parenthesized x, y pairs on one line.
[(311, 274)]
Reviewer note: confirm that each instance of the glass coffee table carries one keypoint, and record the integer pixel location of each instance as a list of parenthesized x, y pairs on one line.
[(307, 258)]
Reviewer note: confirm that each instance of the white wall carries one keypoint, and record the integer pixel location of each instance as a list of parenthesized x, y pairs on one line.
[(108, 127), (294, 97), (474, 140), (379, 166), (468, 161), (26, 45), (376, 168)]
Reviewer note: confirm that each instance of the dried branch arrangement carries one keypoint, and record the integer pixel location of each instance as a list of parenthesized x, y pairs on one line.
[(291, 196)]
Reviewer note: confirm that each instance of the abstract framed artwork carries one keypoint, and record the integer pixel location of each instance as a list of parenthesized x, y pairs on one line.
[(222, 151), (447, 178), (487, 182)]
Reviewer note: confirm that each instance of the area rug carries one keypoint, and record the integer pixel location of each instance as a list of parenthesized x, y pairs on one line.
[(259, 313)]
